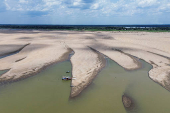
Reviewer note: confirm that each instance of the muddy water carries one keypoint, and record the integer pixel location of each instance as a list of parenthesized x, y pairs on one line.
[(47, 93)]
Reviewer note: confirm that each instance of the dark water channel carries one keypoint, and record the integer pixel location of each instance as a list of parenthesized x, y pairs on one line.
[(47, 93)]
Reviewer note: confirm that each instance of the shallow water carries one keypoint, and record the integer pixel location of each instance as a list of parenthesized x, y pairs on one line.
[(47, 93), (2, 72)]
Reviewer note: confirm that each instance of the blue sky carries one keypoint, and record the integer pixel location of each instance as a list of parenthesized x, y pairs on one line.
[(86, 12)]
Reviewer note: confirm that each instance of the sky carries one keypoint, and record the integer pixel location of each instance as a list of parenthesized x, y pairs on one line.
[(85, 12)]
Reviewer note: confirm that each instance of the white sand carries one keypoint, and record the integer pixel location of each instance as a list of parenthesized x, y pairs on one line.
[(85, 64), (48, 47)]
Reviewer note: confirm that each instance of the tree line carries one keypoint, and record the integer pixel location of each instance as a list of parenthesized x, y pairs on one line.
[(91, 28)]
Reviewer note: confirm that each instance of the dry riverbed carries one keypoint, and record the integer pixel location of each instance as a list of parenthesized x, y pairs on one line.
[(24, 53)]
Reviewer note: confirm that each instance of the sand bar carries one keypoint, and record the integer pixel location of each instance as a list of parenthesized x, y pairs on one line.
[(47, 47)]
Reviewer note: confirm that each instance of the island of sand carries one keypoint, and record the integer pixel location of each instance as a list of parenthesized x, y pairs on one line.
[(24, 53)]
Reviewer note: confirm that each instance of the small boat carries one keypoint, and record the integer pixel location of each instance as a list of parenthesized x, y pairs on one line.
[(66, 78), (68, 72)]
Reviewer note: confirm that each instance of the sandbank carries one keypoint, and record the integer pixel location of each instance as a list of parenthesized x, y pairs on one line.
[(34, 50)]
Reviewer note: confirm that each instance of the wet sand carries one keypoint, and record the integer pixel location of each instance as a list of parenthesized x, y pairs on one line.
[(48, 47)]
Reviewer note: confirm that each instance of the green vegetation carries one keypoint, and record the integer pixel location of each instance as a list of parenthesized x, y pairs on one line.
[(87, 28), (146, 29)]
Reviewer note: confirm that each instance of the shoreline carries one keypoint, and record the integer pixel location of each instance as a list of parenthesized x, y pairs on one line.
[(91, 78), (64, 58), (135, 60), (48, 47)]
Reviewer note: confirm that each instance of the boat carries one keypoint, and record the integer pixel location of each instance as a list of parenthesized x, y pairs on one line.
[(66, 78), (68, 72)]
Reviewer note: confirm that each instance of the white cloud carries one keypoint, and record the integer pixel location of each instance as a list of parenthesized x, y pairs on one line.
[(93, 7), (77, 2), (146, 3), (50, 3), (23, 1)]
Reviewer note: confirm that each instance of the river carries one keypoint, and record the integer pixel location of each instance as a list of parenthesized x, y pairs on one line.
[(47, 93)]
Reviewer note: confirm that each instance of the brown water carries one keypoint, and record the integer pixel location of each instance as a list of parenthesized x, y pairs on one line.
[(47, 93)]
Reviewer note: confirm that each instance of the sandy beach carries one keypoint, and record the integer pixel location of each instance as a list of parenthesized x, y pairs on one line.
[(26, 52)]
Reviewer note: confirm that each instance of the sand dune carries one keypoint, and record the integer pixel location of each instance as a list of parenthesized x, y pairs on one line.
[(47, 47)]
